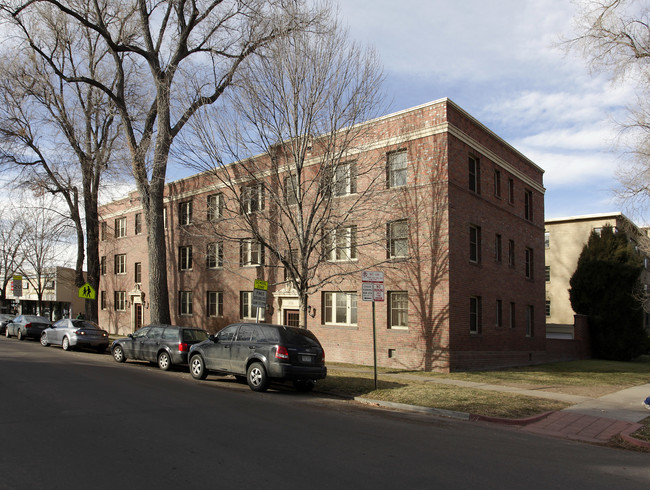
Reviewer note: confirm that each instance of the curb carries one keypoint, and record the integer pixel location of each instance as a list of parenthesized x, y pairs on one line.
[(501, 420), (414, 408), (627, 437)]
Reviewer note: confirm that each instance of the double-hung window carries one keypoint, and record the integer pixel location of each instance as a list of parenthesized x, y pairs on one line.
[(475, 244), (291, 189), (120, 300), (185, 213), (396, 169), (529, 263), (120, 227), (252, 198), (215, 207), (214, 255), (214, 303), (342, 244), (340, 308), (251, 253), (185, 303), (185, 258), (345, 179), (398, 304), (120, 264), (138, 223), (475, 314), (474, 166), (528, 205), (398, 244), (246, 309)]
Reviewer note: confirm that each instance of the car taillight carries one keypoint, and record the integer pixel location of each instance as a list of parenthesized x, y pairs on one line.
[(183, 347), (80, 332), (323, 351), (28, 325), (281, 352)]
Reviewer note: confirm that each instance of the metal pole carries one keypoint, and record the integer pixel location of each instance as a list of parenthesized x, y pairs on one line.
[(374, 341)]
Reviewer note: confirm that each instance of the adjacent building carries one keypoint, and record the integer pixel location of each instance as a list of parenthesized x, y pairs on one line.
[(564, 240), (461, 248)]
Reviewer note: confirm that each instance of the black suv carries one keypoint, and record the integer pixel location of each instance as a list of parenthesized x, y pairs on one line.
[(260, 353), (164, 344)]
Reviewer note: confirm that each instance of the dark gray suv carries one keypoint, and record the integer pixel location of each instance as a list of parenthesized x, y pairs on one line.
[(260, 353), (164, 344)]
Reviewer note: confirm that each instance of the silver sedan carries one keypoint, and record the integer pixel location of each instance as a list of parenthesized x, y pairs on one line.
[(70, 333)]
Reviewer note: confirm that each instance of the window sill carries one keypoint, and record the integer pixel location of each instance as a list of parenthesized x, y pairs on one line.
[(339, 326)]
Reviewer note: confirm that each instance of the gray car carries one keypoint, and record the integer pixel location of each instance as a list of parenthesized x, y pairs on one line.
[(260, 353), (4, 319), (165, 345), (24, 326), (69, 333)]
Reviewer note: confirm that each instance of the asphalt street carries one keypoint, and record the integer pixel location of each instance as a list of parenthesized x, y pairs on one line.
[(73, 420)]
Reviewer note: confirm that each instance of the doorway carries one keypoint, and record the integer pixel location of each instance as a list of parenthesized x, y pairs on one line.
[(137, 320), (292, 318)]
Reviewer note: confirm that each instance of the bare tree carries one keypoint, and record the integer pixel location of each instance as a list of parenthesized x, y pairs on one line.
[(46, 233), (614, 36), (182, 56), (61, 136), (11, 238), (306, 197)]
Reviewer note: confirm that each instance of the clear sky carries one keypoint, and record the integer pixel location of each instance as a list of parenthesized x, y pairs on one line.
[(500, 60)]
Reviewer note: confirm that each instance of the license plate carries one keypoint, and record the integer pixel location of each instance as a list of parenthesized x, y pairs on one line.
[(306, 358)]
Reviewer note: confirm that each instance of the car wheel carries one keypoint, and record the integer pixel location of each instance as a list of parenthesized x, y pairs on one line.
[(20, 335), (304, 385), (44, 341), (164, 361), (118, 354), (66, 343), (256, 377), (197, 367)]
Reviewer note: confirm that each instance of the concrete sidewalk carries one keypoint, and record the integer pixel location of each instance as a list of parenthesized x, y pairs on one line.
[(594, 420)]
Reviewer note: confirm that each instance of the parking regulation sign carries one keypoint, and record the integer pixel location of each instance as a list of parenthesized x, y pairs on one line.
[(372, 286)]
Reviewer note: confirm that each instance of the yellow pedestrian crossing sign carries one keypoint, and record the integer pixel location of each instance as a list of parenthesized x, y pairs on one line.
[(87, 291)]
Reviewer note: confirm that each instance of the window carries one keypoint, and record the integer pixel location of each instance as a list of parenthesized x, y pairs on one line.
[(345, 179), (185, 303), (547, 273), (398, 243), (497, 248), (165, 218), (529, 263), (185, 258), (342, 244), (396, 169), (340, 308), (475, 314), (511, 191), (120, 300), (252, 198), (102, 265), (530, 327), (474, 244), (548, 307), (528, 205), (138, 223), (398, 314), (185, 213), (291, 190), (137, 267), (547, 239), (474, 175), (511, 253), (250, 253), (102, 300), (214, 255), (215, 303), (499, 313), (120, 264), (512, 315), (246, 309), (292, 255), (497, 183), (104, 231), (215, 207), (120, 227)]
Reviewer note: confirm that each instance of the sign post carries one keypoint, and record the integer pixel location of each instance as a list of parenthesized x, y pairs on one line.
[(259, 297), (372, 289)]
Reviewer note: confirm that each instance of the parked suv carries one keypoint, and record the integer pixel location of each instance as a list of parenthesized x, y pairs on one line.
[(260, 353), (164, 344)]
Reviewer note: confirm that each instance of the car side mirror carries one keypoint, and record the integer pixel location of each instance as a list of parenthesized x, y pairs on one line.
[(130, 336), (213, 338)]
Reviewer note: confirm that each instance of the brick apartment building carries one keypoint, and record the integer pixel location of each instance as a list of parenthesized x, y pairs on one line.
[(461, 219)]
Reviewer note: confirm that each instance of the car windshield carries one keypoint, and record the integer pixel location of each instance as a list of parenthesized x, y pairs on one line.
[(85, 324), (192, 335), (35, 319)]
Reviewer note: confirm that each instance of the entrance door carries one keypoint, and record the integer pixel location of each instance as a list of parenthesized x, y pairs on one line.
[(137, 321), (292, 318)]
